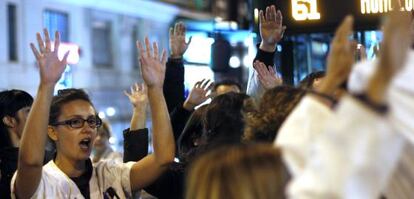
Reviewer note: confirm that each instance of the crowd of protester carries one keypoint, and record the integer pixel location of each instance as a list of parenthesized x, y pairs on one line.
[(346, 132)]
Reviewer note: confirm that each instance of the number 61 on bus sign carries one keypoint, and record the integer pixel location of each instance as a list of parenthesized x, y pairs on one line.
[(305, 10)]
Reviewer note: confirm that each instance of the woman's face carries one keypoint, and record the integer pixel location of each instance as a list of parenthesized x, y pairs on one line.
[(75, 143), (102, 140), (21, 117)]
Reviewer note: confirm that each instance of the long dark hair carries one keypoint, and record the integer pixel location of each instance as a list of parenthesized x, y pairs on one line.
[(192, 131), (224, 121), (11, 101)]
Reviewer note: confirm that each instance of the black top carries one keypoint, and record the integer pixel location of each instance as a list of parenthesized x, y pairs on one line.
[(135, 144), (179, 117), (268, 58), (8, 165), (82, 182), (170, 185), (174, 84)]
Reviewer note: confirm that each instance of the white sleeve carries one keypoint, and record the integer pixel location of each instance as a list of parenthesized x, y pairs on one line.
[(306, 122), (254, 87), (353, 159), (116, 175)]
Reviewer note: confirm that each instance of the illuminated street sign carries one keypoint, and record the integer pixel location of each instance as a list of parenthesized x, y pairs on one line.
[(305, 10), (384, 6)]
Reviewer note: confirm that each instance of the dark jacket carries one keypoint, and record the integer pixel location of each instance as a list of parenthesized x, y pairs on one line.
[(135, 144)]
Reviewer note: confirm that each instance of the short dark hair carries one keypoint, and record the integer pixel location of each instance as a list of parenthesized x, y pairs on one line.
[(11, 101), (227, 82), (63, 97), (307, 82)]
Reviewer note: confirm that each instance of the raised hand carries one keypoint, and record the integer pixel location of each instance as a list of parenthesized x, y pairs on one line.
[(271, 28), (178, 46), (340, 59), (267, 75), (51, 68), (152, 65), (138, 96), (393, 54), (198, 94)]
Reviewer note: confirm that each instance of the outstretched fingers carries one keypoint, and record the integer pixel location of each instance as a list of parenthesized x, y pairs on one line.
[(65, 58), (344, 30), (140, 48), (35, 51), (148, 47), (204, 86), (164, 57), (268, 15), (57, 42), (47, 40), (156, 53), (262, 18), (40, 43)]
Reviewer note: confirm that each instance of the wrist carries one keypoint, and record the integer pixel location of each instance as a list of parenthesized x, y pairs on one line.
[(267, 47), (189, 106), (173, 56), (46, 86), (155, 87), (376, 90), (140, 109)]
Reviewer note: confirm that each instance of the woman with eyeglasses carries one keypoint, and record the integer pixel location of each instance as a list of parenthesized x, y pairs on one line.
[(70, 120)]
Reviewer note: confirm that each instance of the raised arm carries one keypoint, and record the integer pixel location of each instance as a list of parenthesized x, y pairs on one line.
[(271, 32), (148, 169), (139, 100), (360, 149), (267, 76), (309, 119), (174, 77), (34, 136), (136, 137), (198, 95)]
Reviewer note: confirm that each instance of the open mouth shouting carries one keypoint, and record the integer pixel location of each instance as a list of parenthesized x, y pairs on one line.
[(86, 144)]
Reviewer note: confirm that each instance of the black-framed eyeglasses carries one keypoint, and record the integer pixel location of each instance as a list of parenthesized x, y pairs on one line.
[(76, 123)]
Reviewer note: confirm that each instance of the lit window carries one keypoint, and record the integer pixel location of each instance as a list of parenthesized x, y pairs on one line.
[(101, 44), (56, 21)]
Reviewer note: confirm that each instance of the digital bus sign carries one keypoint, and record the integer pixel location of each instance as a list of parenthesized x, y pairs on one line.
[(304, 16)]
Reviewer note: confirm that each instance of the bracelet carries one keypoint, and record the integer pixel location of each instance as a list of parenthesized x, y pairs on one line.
[(324, 96), (379, 108)]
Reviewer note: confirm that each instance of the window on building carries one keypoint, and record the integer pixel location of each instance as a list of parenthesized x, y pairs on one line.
[(101, 44), (56, 21), (12, 32), (134, 47)]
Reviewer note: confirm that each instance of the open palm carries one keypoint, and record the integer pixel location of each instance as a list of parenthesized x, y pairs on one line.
[(199, 93), (178, 46), (138, 96), (51, 68), (271, 26), (152, 65)]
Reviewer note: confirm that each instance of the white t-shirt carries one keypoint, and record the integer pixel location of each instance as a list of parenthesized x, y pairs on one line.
[(56, 184)]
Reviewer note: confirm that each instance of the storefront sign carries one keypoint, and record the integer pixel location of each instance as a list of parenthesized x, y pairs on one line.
[(384, 6), (304, 16)]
